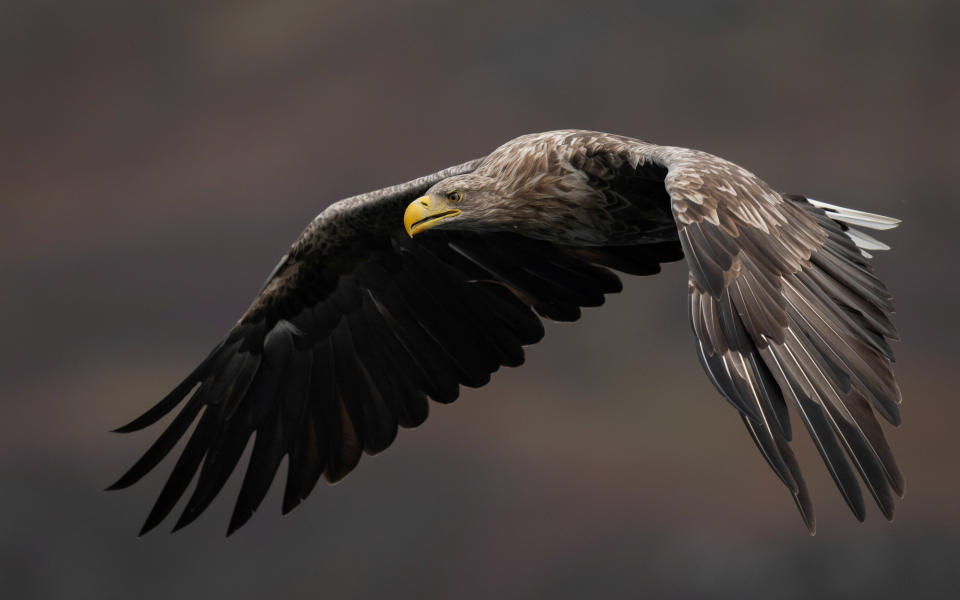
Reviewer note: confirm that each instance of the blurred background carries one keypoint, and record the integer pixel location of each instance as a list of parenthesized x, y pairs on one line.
[(157, 158)]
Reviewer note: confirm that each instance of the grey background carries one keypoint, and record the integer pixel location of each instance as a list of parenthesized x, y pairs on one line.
[(156, 160)]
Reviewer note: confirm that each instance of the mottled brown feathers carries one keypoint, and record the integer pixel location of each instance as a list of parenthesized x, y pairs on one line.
[(359, 325)]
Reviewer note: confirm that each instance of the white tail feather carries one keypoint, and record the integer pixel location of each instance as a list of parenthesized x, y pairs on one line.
[(856, 217), (865, 241)]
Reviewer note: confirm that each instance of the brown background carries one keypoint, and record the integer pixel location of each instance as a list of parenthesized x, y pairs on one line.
[(155, 162)]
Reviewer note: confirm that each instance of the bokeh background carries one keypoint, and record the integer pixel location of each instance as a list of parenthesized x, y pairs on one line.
[(157, 158)]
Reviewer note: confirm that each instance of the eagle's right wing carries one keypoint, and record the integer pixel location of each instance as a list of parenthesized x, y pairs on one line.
[(787, 310)]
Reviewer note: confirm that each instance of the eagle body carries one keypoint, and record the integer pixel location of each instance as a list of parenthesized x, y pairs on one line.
[(569, 187), (399, 296)]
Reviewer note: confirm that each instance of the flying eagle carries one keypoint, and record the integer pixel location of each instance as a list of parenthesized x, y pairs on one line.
[(406, 293)]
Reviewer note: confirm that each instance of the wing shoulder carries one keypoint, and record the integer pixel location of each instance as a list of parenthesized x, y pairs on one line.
[(342, 235)]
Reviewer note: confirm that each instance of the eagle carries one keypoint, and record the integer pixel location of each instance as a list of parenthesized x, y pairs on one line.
[(404, 294)]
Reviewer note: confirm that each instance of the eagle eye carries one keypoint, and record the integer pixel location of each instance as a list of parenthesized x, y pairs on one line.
[(455, 196)]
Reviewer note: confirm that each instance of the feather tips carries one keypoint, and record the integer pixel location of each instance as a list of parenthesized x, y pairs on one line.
[(410, 320)]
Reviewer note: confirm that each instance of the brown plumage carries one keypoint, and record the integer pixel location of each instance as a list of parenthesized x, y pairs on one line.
[(362, 322)]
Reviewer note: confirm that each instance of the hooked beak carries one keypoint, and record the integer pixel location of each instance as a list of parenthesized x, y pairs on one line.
[(422, 214)]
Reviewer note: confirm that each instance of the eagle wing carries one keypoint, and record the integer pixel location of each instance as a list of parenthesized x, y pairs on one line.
[(354, 330), (787, 311)]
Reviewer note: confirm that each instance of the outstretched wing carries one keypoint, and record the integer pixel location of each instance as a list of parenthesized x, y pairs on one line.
[(356, 328), (784, 305), (787, 311)]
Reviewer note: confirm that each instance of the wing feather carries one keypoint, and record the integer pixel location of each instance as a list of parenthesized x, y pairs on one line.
[(788, 311)]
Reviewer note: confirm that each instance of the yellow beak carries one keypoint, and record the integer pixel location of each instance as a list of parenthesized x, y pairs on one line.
[(422, 214)]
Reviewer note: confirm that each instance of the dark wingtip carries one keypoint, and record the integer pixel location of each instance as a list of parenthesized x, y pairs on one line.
[(899, 485), (233, 527), (290, 502), (157, 514), (857, 506), (892, 415), (176, 396), (239, 518), (806, 512), (183, 521), (189, 514), (116, 485), (129, 478), (148, 525), (145, 420), (169, 402), (887, 509)]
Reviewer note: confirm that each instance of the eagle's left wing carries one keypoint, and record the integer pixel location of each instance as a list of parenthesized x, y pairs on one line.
[(356, 327)]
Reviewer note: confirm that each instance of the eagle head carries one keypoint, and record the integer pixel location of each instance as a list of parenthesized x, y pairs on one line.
[(469, 201)]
